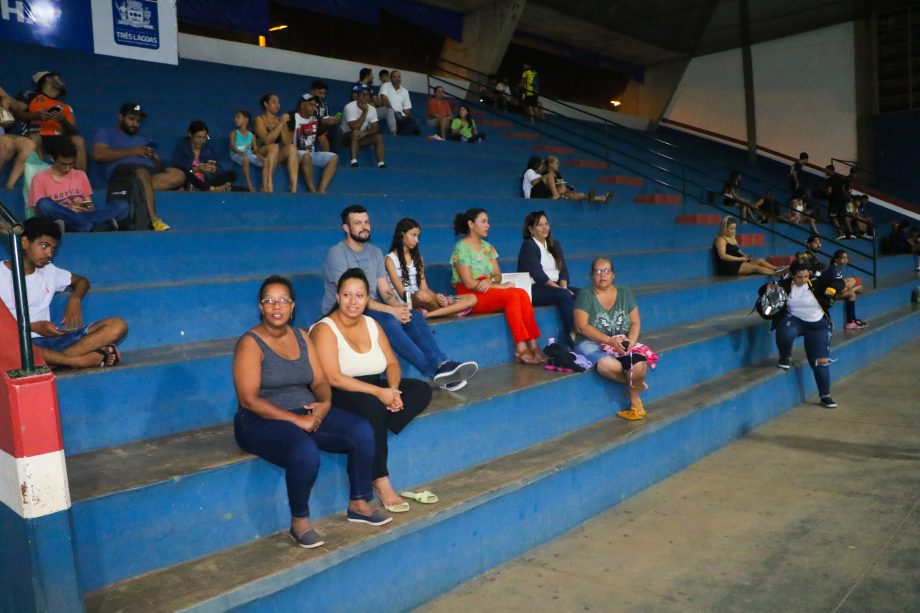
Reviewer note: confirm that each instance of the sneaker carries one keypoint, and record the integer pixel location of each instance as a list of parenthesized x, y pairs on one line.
[(868, 236), (308, 540), (435, 137), (453, 387), (354, 163), (840, 237), (860, 323), (784, 363), (159, 225), (450, 373), (828, 402), (377, 518), (381, 165), (851, 237), (851, 325)]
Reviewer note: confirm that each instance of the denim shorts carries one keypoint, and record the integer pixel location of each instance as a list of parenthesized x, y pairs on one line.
[(593, 352), (60, 343)]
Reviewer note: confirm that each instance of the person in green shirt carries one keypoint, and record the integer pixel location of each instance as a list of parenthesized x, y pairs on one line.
[(474, 265), (608, 315), (463, 127)]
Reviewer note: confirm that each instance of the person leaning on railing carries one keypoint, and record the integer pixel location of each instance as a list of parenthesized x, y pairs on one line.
[(68, 342)]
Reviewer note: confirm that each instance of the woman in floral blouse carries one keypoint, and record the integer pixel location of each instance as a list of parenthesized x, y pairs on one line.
[(475, 270)]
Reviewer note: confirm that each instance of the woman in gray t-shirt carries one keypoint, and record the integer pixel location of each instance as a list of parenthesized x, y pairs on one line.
[(607, 316)]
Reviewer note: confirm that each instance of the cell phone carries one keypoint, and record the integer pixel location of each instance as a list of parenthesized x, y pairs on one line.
[(57, 107)]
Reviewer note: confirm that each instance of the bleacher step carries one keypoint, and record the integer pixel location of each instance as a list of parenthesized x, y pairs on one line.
[(512, 503)]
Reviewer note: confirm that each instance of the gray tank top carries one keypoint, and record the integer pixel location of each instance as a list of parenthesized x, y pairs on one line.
[(285, 383)]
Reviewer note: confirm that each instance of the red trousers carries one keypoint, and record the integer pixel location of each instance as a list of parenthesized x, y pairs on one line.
[(514, 302)]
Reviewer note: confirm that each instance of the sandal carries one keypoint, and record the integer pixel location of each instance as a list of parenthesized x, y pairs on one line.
[(107, 352), (424, 497), (526, 357), (632, 414)]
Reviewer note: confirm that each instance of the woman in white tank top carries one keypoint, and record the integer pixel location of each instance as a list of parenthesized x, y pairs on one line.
[(366, 377)]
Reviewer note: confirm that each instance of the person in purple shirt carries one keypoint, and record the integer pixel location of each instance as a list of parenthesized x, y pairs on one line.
[(128, 157)]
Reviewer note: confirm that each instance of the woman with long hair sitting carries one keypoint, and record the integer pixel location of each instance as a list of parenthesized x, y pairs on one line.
[(366, 377), (730, 260), (406, 275), (475, 271)]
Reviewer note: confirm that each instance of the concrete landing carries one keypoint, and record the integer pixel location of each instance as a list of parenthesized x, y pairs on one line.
[(818, 510)]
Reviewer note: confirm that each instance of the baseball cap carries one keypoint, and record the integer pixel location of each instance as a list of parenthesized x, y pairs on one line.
[(38, 76), (307, 97), (359, 87), (129, 108)]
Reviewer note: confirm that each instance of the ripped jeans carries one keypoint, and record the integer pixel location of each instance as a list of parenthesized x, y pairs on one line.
[(817, 336)]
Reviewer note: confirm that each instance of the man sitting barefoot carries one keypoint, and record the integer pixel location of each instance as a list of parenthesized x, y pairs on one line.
[(70, 342)]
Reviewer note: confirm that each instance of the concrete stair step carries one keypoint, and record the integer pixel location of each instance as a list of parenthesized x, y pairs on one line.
[(513, 503)]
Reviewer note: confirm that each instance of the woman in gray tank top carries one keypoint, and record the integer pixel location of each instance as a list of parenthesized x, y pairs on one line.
[(285, 415)]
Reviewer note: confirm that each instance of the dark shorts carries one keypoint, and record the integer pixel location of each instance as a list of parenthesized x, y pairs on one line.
[(60, 343), (52, 142), (593, 352), (532, 100)]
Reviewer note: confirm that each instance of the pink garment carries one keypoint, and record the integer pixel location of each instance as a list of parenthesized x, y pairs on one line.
[(644, 350), (71, 190)]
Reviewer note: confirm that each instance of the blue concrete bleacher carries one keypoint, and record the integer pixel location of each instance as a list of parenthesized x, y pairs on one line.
[(166, 510)]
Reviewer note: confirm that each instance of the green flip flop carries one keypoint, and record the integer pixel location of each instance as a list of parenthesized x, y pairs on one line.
[(425, 497), (402, 507)]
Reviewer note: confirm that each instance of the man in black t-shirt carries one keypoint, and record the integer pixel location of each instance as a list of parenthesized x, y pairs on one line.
[(795, 176)]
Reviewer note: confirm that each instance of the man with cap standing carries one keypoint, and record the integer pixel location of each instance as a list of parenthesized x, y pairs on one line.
[(306, 128), (130, 159)]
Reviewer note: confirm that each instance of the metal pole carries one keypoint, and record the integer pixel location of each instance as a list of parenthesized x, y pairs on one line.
[(21, 299)]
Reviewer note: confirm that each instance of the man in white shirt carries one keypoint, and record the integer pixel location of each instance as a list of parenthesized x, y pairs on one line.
[(397, 109), (68, 342), (361, 128)]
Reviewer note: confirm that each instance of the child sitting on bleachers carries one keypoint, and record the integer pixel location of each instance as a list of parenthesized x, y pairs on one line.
[(241, 149)]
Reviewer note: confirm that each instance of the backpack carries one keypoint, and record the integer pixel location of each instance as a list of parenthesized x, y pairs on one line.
[(771, 301), (130, 189)]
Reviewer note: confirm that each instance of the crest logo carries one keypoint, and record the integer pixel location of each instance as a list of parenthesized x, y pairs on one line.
[(135, 23)]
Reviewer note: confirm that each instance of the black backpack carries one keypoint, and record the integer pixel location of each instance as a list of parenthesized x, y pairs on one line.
[(771, 301)]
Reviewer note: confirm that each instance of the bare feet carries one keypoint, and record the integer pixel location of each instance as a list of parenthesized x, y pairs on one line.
[(386, 493)]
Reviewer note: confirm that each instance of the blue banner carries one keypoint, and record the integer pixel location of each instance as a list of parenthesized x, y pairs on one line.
[(66, 24)]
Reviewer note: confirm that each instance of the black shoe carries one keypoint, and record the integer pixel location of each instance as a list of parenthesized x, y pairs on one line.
[(828, 402), (451, 373), (784, 363)]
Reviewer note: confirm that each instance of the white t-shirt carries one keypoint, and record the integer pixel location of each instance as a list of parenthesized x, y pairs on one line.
[(526, 184), (305, 132), (352, 112), (547, 262), (413, 274), (399, 98), (803, 304), (41, 286)]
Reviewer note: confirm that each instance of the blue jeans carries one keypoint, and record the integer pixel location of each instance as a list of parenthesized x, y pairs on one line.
[(413, 341), (297, 452), (817, 336), (563, 300), (83, 222)]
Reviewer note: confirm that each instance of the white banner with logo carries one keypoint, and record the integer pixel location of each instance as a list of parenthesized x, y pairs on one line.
[(137, 29)]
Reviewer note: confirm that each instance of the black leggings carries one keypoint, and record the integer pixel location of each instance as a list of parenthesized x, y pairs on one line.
[(210, 180), (416, 395)]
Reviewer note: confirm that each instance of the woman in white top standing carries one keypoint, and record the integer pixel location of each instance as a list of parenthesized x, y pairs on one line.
[(806, 315), (406, 275), (541, 256), (366, 378)]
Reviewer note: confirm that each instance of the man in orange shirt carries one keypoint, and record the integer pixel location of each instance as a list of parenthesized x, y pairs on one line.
[(439, 114), (51, 120)]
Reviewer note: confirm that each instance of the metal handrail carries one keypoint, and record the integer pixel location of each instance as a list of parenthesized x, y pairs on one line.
[(20, 296), (771, 228)]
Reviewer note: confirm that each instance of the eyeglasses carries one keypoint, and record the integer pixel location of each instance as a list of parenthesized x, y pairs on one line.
[(273, 301), (602, 271)]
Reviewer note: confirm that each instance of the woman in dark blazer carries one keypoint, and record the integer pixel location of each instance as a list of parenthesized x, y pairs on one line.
[(541, 256), (195, 156)]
